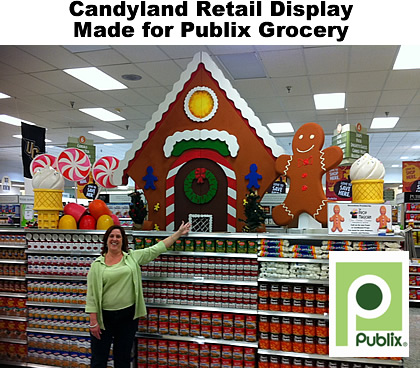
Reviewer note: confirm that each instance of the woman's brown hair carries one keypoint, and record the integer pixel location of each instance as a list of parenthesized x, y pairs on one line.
[(124, 246)]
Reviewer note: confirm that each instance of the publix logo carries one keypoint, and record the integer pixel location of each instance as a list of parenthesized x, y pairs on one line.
[(369, 304)]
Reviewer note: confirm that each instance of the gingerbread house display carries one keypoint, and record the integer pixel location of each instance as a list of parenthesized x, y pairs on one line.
[(200, 153)]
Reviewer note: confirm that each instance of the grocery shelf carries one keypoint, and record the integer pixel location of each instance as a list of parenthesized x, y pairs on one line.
[(198, 339), (210, 254), (14, 261), (414, 287), (292, 260), (13, 278), (20, 364), (58, 332), (297, 281), (201, 280), (12, 246), (327, 357), (63, 252), (292, 314), (58, 305), (13, 341), (13, 318), (55, 277), (201, 308), (13, 295)]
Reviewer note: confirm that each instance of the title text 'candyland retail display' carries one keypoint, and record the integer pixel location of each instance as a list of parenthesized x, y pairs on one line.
[(227, 295)]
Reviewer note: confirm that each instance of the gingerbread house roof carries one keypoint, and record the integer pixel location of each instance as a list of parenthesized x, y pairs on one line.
[(261, 131)]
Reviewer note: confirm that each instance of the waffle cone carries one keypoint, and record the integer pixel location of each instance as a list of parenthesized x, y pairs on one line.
[(368, 191), (48, 199), (48, 219)]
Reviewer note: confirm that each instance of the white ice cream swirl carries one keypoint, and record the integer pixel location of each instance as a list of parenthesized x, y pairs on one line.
[(48, 178), (367, 168)]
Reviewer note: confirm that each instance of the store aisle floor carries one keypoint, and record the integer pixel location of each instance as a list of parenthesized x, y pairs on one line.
[(414, 360)]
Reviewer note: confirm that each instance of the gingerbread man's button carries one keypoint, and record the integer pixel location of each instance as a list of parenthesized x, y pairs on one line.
[(304, 187), (304, 175)]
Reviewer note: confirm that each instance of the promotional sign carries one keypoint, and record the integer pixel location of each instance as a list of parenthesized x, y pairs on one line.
[(338, 184), (357, 218), (353, 140), (411, 176), (368, 304)]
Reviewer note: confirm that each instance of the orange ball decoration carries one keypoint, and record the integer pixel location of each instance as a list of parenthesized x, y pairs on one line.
[(97, 208)]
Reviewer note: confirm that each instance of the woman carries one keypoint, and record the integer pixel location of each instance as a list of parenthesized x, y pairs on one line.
[(114, 298)]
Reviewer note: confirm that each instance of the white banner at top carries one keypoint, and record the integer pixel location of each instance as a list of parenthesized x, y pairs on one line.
[(212, 22)]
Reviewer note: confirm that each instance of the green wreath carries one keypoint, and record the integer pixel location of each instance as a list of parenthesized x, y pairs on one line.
[(194, 197)]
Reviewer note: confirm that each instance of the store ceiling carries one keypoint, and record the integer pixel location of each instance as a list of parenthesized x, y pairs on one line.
[(42, 93)]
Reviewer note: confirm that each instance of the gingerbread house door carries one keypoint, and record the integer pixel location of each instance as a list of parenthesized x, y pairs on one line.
[(201, 196)]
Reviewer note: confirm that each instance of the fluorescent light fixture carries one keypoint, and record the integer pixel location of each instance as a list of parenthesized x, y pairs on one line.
[(3, 95), (395, 165), (19, 136), (12, 120), (326, 101), (95, 78), (404, 158), (102, 114), (408, 58), (123, 187), (108, 144), (280, 127), (384, 123), (415, 147), (105, 134)]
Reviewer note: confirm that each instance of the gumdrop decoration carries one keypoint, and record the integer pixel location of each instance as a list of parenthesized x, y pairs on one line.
[(150, 179), (253, 177)]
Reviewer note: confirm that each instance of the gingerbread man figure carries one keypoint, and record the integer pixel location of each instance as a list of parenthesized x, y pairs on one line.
[(305, 169), (336, 219), (383, 219)]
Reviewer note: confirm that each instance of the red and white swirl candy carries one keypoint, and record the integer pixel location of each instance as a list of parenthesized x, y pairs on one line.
[(73, 164), (41, 161), (103, 171)]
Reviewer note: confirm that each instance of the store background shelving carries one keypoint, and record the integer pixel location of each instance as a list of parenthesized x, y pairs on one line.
[(71, 243)]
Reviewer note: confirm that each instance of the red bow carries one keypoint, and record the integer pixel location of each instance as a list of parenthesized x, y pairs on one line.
[(200, 175), (306, 161)]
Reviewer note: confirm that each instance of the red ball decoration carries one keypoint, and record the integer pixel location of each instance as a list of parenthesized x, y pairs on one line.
[(97, 208), (75, 210), (116, 220), (87, 222)]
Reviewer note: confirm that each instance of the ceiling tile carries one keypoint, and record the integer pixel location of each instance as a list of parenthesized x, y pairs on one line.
[(366, 81), (331, 83), (368, 58), (283, 63), (56, 56), (22, 60), (327, 60), (401, 97), (165, 72)]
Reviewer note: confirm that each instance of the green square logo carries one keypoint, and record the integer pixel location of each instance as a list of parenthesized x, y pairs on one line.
[(369, 304)]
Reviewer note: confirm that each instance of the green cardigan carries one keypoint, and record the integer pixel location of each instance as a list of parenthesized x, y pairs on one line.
[(133, 259)]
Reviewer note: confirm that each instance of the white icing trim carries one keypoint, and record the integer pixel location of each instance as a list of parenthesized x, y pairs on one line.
[(288, 164), (231, 93), (288, 211), (187, 101), (201, 134), (319, 208), (322, 159)]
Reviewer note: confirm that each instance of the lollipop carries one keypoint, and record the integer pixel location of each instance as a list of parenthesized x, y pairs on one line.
[(73, 164), (41, 161), (103, 171)]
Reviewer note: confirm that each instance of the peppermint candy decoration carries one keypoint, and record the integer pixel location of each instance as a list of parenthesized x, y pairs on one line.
[(73, 164), (41, 161), (103, 171)]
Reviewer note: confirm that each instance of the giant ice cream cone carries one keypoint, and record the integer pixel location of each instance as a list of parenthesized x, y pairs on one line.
[(48, 203), (367, 175), (48, 191)]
